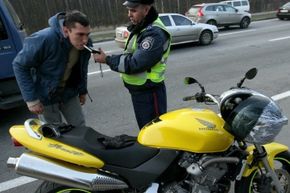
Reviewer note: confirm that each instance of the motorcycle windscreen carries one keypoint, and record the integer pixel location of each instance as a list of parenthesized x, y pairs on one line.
[(193, 130), (54, 149)]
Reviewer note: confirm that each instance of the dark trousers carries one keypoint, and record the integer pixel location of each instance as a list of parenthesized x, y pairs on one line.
[(149, 104)]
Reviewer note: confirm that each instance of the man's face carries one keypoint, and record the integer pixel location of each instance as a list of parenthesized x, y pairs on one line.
[(137, 14), (78, 35)]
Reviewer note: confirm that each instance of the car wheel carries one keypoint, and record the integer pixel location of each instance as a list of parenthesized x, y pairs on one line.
[(245, 22), (205, 37), (281, 18), (211, 22)]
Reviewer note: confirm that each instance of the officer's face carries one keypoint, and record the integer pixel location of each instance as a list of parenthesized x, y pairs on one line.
[(137, 14), (78, 35)]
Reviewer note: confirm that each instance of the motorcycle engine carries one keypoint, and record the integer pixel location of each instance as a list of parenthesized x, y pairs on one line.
[(209, 179)]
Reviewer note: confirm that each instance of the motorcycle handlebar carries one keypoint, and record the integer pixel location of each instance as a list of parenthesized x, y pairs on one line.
[(199, 97), (189, 98)]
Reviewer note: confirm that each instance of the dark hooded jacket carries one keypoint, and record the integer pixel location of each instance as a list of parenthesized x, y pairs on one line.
[(40, 65)]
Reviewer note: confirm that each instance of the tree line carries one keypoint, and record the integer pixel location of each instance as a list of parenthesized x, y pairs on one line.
[(34, 14)]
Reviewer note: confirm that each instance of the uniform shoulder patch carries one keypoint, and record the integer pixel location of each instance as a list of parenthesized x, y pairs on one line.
[(149, 27), (147, 43)]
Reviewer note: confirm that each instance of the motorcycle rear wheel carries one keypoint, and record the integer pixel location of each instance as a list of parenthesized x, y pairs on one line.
[(50, 187), (252, 183)]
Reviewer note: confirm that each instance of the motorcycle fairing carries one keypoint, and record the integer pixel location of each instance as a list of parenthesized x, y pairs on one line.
[(53, 148), (272, 150), (193, 130)]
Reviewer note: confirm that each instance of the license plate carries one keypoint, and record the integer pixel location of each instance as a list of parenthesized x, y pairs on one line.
[(119, 35), (284, 11)]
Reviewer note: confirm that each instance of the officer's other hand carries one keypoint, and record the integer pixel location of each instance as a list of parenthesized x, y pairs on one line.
[(37, 108), (83, 99), (101, 58)]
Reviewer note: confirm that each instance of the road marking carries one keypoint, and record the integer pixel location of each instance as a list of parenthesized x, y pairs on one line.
[(104, 42), (278, 39), (238, 32), (113, 51), (15, 183), (4, 186), (98, 72), (281, 96)]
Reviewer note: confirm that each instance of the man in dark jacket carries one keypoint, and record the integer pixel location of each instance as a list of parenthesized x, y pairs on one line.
[(51, 69), (143, 64)]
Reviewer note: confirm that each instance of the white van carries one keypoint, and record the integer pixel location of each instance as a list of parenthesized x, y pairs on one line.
[(241, 5)]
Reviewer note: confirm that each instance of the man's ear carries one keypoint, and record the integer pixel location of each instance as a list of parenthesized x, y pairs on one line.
[(65, 31), (147, 8)]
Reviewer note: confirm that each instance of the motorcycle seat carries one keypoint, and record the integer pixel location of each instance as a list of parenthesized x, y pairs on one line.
[(130, 155)]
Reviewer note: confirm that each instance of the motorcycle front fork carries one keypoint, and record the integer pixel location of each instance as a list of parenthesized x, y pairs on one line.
[(261, 155)]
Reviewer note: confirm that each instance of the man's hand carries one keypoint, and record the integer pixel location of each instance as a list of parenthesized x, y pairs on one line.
[(101, 58), (83, 99), (36, 108)]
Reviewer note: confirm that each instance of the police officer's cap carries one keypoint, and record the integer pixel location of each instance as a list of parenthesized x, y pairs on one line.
[(135, 3)]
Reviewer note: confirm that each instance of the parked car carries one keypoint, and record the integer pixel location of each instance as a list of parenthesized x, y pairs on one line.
[(284, 11), (241, 5), (181, 28), (12, 34), (219, 14)]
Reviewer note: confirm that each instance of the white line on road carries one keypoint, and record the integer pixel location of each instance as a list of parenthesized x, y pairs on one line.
[(15, 183), (281, 96), (98, 72), (238, 32), (278, 39), (25, 180)]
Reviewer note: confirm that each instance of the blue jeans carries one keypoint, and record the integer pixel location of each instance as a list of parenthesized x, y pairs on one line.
[(149, 104), (70, 112)]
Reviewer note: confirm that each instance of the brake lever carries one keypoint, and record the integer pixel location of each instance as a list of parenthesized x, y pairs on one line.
[(200, 97)]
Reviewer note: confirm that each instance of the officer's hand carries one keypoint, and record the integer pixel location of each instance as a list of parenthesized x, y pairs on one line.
[(101, 58), (83, 99), (37, 108)]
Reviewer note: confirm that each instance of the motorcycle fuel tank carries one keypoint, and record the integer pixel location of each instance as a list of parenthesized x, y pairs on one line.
[(193, 130)]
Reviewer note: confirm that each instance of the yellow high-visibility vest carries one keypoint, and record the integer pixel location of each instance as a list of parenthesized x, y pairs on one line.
[(156, 74)]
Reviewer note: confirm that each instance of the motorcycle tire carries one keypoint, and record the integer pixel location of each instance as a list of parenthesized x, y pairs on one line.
[(252, 183), (50, 187)]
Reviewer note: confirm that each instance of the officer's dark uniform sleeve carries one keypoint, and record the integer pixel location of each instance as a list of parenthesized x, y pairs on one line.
[(151, 46)]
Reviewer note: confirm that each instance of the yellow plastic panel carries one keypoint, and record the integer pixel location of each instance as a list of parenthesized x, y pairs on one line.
[(55, 149), (272, 150)]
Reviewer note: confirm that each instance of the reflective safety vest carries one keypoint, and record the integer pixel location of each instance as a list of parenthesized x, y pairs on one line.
[(156, 73)]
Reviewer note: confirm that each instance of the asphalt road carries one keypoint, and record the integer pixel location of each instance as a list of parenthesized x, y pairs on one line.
[(264, 45)]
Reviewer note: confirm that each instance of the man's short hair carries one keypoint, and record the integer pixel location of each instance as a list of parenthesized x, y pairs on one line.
[(73, 17)]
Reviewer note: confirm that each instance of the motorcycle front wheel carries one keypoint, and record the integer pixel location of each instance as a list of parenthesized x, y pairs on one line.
[(50, 187), (257, 183)]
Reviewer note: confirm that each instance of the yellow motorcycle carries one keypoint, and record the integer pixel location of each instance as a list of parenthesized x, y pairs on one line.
[(190, 150)]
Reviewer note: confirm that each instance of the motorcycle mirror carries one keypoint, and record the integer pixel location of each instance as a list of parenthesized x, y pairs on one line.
[(251, 73), (189, 80)]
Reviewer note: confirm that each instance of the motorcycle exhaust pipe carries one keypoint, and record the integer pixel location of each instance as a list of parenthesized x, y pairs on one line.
[(67, 174)]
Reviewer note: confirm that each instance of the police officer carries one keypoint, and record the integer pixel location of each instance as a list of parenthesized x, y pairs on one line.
[(143, 63)]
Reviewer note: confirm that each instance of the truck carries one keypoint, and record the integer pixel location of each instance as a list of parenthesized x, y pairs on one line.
[(12, 34)]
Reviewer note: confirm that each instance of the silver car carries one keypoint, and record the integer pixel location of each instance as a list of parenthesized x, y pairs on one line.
[(219, 14), (181, 28)]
